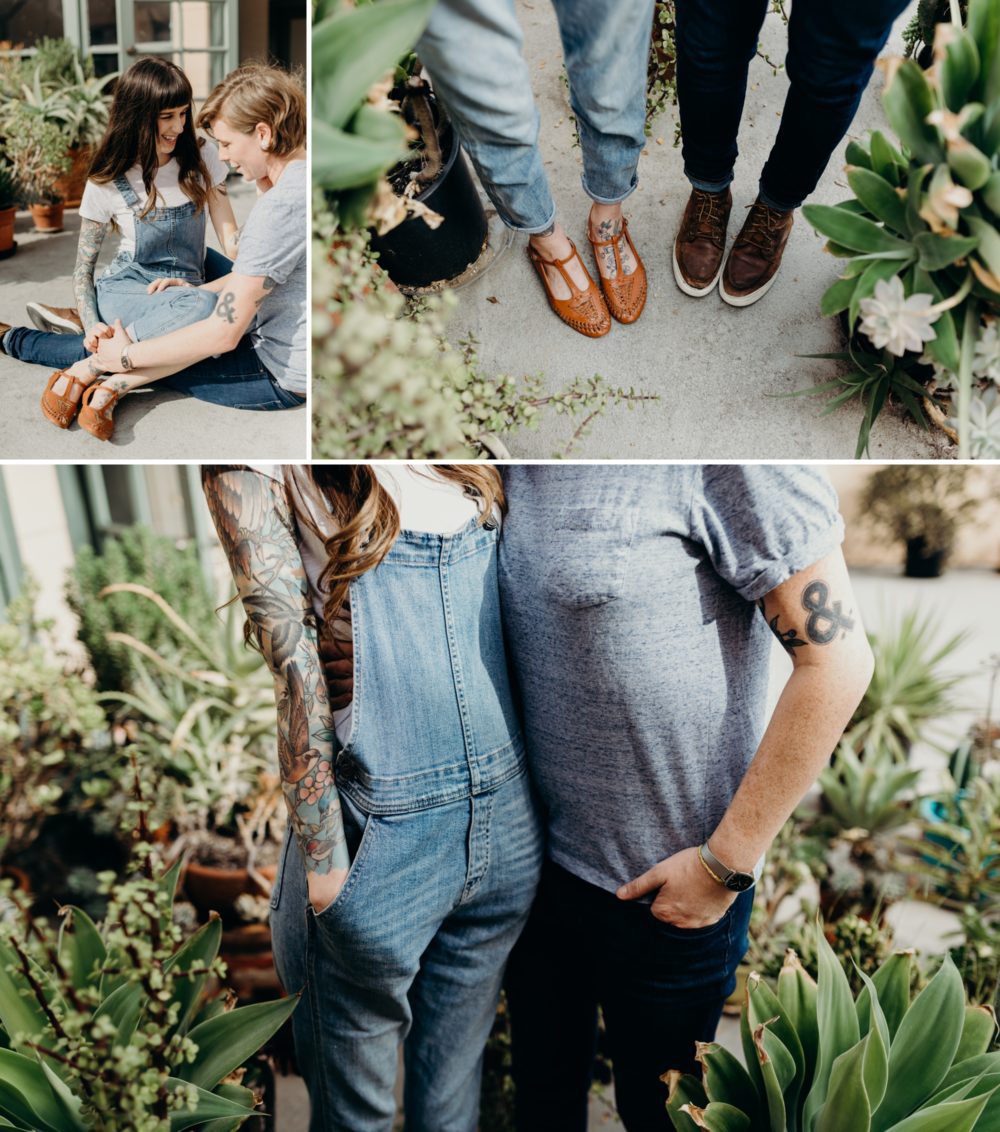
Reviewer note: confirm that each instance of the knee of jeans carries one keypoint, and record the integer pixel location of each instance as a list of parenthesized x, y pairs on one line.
[(192, 304), (832, 82)]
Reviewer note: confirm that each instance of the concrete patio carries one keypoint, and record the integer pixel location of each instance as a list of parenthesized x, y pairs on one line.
[(181, 428), (719, 371)]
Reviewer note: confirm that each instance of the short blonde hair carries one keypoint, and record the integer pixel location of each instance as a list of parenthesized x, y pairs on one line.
[(260, 92)]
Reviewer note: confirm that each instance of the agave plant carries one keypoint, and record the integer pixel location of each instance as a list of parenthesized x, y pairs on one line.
[(921, 233), (203, 723), (961, 847), (357, 135), (123, 1027), (819, 1059), (909, 689)]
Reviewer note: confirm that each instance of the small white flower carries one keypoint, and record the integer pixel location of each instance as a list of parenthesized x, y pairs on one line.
[(984, 425), (986, 362), (898, 323), (944, 379)]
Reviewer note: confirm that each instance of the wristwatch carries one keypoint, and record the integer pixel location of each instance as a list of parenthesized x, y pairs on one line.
[(732, 879), (125, 361)]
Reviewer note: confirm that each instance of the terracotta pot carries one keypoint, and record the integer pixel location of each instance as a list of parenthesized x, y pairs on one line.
[(8, 246), (48, 218), (212, 889), (71, 184)]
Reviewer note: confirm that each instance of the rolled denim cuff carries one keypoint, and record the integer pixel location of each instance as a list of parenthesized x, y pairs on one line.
[(597, 199), (532, 230), (709, 186), (773, 202)]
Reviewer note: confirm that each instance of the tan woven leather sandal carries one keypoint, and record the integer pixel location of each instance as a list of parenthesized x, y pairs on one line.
[(625, 294), (61, 408), (585, 311), (99, 422)]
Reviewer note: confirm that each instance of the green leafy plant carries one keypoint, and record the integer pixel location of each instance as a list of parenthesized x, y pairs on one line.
[(977, 957), (123, 1027), (920, 234), (818, 1058), (919, 32), (388, 383), (51, 727), (870, 792), (58, 62), (79, 107), (138, 555), (960, 852), (204, 727), (910, 689), (917, 501), (357, 134), (36, 148), (10, 190)]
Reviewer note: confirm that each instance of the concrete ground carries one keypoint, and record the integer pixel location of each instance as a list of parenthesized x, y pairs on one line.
[(181, 428), (719, 371), (965, 600)]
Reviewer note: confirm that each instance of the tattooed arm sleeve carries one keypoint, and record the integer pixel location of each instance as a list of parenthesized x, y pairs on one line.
[(256, 528), (88, 249)]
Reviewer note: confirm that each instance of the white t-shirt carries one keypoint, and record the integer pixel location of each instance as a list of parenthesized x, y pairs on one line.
[(104, 202), (426, 502)]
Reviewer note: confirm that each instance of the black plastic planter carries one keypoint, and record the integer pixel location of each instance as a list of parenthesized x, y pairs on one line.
[(416, 255), (921, 563)]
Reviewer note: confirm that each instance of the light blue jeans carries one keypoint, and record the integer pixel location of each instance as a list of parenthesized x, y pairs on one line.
[(472, 49), (445, 843)]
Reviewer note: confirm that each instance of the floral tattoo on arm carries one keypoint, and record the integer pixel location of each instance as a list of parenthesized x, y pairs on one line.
[(92, 234), (256, 529)]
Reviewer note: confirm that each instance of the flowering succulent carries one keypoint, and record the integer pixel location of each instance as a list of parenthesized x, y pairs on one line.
[(924, 218), (897, 322), (984, 425)]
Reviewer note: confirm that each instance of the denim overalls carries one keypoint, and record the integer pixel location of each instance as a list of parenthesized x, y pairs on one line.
[(445, 844), (169, 242)]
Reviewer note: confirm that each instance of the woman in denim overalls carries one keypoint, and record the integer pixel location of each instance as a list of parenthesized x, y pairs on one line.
[(149, 129), (430, 808)]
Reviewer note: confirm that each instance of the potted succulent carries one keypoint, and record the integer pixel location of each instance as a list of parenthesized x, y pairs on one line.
[(9, 193), (818, 1058), (50, 730), (37, 148), (79, 105), (203, 723), (920, 235), (918, 35), (922, 506), (124, 1025)]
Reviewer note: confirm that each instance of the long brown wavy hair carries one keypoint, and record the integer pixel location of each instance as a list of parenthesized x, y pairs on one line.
[(366, 518), (142, 93)]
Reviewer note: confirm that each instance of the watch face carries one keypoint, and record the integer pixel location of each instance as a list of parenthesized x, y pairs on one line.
[(739, 882)]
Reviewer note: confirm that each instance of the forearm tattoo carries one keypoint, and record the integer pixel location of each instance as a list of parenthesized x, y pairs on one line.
[(257, 534), (88, 249), (826, 620), (225, 308), (268, 284)]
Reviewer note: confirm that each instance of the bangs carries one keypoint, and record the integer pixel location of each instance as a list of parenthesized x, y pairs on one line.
[(162, 85)]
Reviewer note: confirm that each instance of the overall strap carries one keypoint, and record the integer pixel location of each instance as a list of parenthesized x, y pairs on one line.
[(128, 193)]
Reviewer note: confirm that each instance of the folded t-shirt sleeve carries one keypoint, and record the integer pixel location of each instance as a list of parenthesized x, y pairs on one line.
[(96, 203), (763, 523), (273, 239)]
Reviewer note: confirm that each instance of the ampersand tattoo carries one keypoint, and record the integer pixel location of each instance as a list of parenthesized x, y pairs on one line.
[(825, 621), (225, 308)]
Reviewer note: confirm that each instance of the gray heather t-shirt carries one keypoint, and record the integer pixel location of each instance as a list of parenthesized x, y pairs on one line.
[(628, 597), (273, 242)]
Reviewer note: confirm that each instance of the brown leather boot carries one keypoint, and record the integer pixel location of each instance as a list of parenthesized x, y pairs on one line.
[(701, 242), (753, 263), (55, 320)]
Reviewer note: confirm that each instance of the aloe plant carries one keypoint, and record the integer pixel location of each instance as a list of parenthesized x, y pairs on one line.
[(819, 1059), (122, 1027), (355, 138), (926, 212)]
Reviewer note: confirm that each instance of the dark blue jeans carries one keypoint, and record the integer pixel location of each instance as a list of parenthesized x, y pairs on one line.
[(238, 380), (831, 52), (660, 989)]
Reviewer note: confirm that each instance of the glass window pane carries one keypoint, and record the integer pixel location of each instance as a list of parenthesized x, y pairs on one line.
[(152, 21), (24, 22), (116, 483), (103, 24)]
